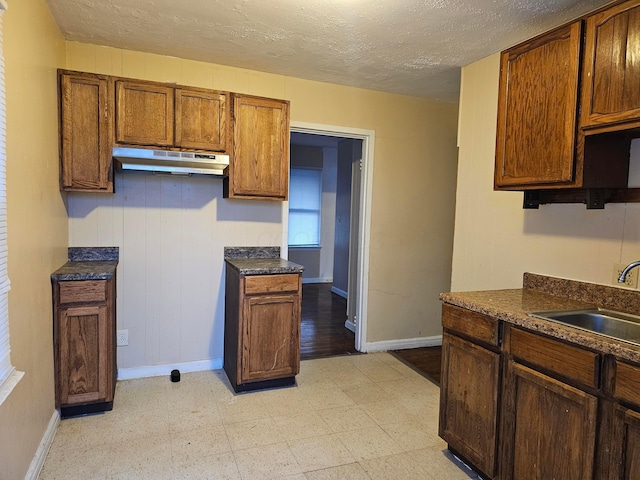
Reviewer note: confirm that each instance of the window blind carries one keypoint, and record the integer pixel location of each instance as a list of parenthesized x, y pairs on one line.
[(6, 369)]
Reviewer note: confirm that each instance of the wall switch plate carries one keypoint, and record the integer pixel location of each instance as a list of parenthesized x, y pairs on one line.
[(123, 338), (632, 276)]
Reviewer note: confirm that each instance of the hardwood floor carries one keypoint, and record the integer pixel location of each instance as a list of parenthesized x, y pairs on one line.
[(322, 332), (425, 360)]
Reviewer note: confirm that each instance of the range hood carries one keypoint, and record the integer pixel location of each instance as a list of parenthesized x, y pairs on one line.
[(167, 161)]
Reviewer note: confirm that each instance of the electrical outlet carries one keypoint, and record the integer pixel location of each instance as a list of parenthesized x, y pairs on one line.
[(123, 338), (632, 276)]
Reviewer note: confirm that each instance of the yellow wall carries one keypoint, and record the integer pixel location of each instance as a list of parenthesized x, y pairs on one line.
[(37, 224), (496, 240), (413, 188)]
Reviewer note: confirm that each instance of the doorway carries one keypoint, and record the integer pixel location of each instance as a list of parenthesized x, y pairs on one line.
[(336, 260)]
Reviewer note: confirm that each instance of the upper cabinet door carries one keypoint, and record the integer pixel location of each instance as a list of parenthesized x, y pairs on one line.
[(611, 74), (259, 166), (144, 113), (537, 110), (202, 120), (85, 132)]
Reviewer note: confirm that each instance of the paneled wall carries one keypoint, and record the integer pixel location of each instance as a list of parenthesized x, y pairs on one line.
[(171, 232), (496, 241)]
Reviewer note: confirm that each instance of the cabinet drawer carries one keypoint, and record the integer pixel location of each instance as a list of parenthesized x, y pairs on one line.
[(627, 382), (567, 360), (83, 291), (287, 282), (475, 325)]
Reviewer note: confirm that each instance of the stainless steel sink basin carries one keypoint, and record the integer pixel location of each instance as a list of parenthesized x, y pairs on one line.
[(618, 325)]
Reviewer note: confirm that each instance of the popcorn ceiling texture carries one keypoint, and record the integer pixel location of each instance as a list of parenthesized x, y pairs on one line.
[(412, 47)]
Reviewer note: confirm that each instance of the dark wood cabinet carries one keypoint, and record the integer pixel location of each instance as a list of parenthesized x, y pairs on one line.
[(469, 388), (549, 427), (152, 114), (537, 110), (262, 329), (144, 113), (86, 134), (84, 345), (201, 119), (611, 72), (568, 108), (259, 164)]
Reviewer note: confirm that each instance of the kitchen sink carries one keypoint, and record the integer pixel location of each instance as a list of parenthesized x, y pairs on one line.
[(618, 325)]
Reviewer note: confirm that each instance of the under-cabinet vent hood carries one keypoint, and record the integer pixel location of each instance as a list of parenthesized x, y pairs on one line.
[(167, 161)]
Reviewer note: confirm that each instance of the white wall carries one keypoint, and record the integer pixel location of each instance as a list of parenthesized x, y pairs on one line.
[(496, 240)]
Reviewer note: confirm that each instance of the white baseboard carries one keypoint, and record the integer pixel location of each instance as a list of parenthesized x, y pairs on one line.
[(159, 370), (338, 291), (317, 280), (350, 325), (43, 448), (403, 344)]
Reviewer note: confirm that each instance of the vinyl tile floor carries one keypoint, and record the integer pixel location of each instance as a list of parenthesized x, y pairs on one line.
[(350, 417)]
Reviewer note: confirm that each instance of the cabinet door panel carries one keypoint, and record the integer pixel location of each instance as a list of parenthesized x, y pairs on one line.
[(631, 444), (611, 74), (469, 401), (202, 119), (144, 114), (85, 133), (270, 337), (259, 167), (549, 428), (537, 108), (84, 355)]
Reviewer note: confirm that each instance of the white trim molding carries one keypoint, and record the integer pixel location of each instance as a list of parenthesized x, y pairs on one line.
[(43, 448), (403, 344), (368, 138), (159, 370)]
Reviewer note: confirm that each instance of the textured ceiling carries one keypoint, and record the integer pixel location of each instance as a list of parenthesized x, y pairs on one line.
[(413, 47)]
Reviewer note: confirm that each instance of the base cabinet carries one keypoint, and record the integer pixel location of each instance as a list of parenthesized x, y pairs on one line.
[(549, 427), (518, 405), (262, 329), (469, 396), (84, 345)]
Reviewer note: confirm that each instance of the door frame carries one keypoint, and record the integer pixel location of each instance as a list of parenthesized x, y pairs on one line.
[(364, 224)]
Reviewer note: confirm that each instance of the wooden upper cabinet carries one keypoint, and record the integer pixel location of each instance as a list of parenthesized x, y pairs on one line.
[(259, 164), (85, 132), (202, 119), (537, 109), (144, 113), (611, 72)]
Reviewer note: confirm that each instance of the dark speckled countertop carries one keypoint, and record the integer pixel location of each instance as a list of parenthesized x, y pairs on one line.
[(91, 263), (259, 261), (542, 293)]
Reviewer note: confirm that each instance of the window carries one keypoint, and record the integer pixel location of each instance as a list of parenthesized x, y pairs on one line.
[(8, 375), (305, 199)]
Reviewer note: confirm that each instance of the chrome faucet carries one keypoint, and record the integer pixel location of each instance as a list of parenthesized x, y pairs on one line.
[(623, 275)]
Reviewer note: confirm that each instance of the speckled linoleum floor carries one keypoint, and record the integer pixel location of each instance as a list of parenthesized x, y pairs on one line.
[(351, 417)]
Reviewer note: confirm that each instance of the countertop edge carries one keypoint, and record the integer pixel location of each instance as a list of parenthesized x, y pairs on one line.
[(519, 317)]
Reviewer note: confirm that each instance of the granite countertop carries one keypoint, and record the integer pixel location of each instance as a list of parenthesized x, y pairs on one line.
[(541, 293), (259, 261), (91, 263)]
